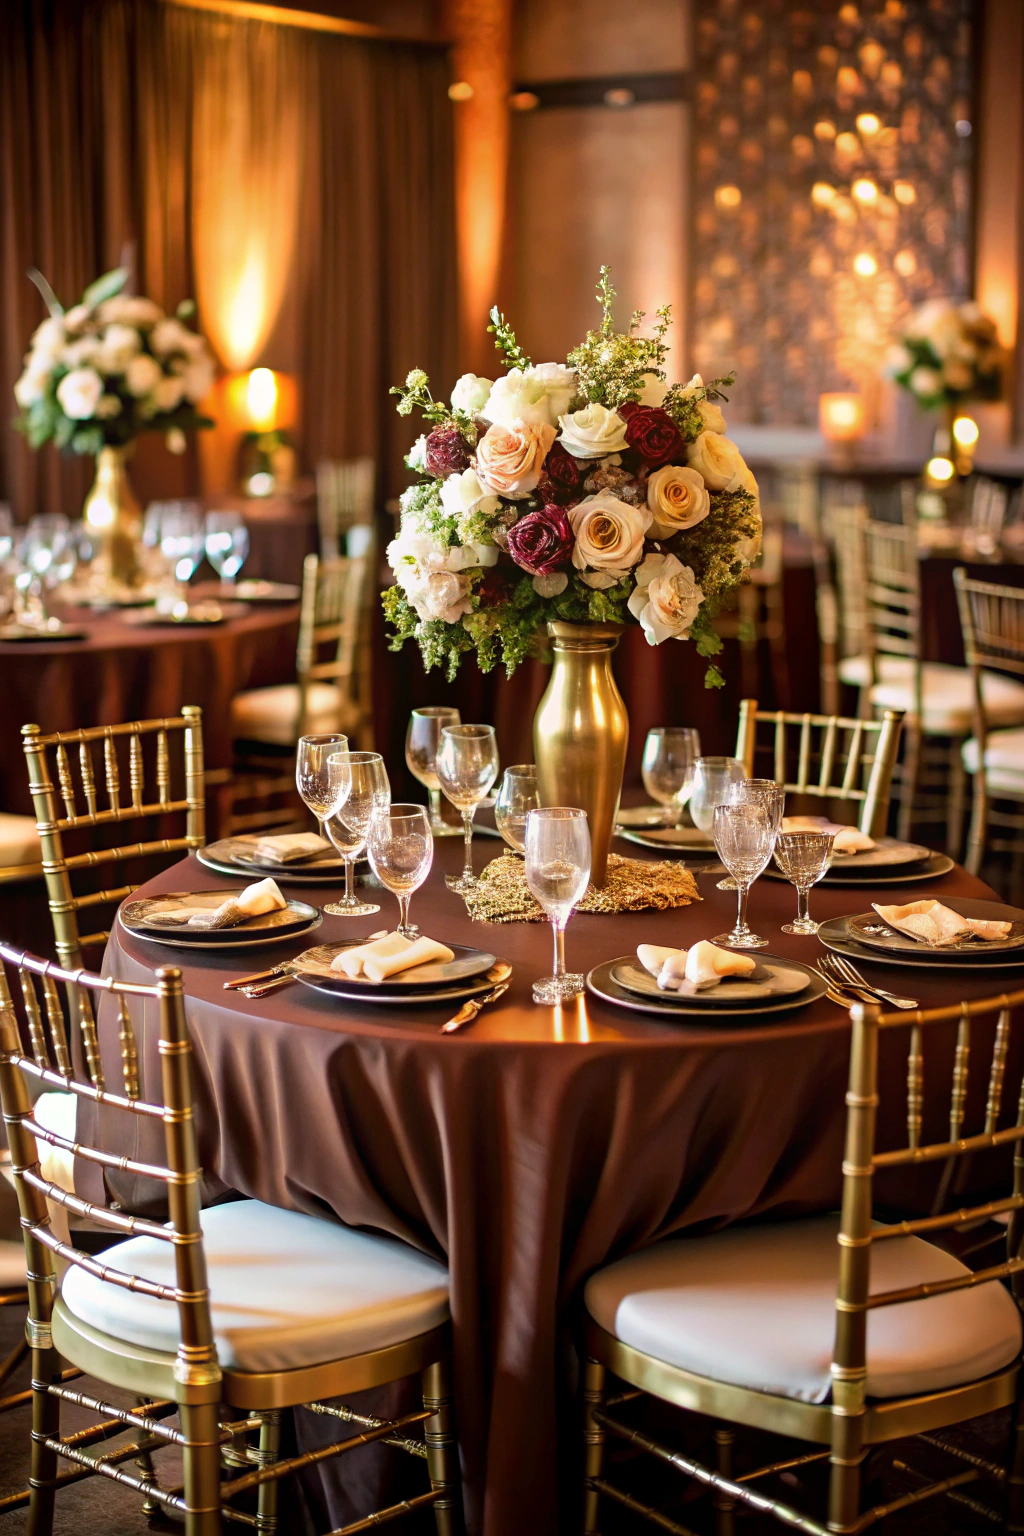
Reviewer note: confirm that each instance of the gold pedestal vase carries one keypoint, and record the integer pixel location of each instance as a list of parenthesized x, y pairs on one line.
[(581, 731), (112, 511)]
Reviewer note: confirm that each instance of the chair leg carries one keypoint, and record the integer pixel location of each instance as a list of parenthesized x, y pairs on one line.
[(144, 1462), (725, 1463), (979, 825), (593, 1443), (45, 1425), (955, 810), (270, 1444), (201, 1428), (442, 1454), (908, 782)]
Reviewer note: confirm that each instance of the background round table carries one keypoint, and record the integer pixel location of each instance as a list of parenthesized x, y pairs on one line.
[(535, 1146)]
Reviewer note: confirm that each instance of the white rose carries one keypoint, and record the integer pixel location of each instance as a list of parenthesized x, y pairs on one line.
[(710, 413), (463, 494), (559, 383), (167, 393), (609, 538), (717, 460), (442, 595), (142, 374), (654, 390), (108, 405), (47, 339), (415, 554), (925, 381), (416, 458), (78, 393), (937, 322), (898, 359), (119, 345), (198, 378), (666, 599), (170, 336), (678, 499), (593, 432), (78, 353), (32, 384), (470, 394), (126, 309), (518, 397), (76, 317)]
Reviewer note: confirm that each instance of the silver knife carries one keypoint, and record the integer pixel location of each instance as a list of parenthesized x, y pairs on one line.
[(469, 1010)]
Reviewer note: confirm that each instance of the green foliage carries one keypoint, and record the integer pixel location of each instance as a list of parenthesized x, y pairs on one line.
[(50, 299), (505, 342), (614, 366), (685, 408), (415, 394), (105, 287)]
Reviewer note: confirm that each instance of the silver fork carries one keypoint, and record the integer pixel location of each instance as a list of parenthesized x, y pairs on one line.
[(841, 970)]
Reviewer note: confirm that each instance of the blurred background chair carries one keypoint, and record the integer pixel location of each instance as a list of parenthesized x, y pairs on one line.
[(759, 619), (344, 500)]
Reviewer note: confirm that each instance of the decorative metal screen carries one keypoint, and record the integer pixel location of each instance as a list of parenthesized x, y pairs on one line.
[(832, 188)]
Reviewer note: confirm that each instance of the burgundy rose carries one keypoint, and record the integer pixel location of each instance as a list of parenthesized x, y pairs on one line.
[(626, 409), (562, 476), (492, 588), (541, 541), (446, 452), (653, 434)]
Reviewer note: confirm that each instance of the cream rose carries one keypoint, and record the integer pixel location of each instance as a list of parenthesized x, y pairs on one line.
[(518, 397), (609, 538), (559, 384), (509, 459), (167, 394), (678, 499), (47, 340), (666, 599), (142, 374), (470, 394), (654, 390), (414, 554), (78, 393), (593, 432), (717, 460), (462, 495), (710, 414), (170, 336), (198, 378), (442, 595), (127, 309), (32, 384)]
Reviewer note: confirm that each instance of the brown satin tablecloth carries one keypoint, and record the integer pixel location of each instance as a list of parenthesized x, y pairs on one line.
[(535, 1146), (124, 672)]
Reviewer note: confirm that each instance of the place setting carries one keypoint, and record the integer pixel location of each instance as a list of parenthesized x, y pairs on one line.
[(219, 920), (962, 933), (859, 859)]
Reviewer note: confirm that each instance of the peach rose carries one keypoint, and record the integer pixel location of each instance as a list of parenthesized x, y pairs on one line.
[(509, 459), (609, 538), (717, 460), (678, 498)]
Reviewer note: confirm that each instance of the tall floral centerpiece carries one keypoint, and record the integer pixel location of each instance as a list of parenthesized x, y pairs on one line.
[(560, 502), (948, 356), (98, 375)]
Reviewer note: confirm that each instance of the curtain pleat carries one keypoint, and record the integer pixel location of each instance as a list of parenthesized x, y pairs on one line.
[(219, 153)]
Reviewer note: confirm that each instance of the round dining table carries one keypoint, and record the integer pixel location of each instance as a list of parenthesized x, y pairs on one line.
[(534, 1146)]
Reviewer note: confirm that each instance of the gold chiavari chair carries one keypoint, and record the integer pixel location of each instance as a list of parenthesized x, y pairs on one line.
[(344, 499), (225, 1318), (58, 866), (842, 1332), (992, 622), (826, 757)]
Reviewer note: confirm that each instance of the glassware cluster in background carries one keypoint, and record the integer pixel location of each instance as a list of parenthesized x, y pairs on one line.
[(360, 789), (518, 796), (667, 767), (422, 742)]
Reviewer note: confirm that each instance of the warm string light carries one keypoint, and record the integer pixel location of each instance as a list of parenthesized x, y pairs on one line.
[(940, 470), (965, 432)]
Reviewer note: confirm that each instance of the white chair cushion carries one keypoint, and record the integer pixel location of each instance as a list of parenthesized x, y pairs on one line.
[(856, 670), (286, 1290), (948, 698), (12, 1264), (1004, 760), (19, 841), (755, 1307), (271, 714)]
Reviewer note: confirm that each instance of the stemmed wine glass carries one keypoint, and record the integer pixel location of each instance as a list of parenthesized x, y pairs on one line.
[(227, 544), (744, 837), (467, 765), (558, 872), (181, 540), (401, 850), (422, 740), (360, 786), (312, 774), (667, 766), (714, 779), (519, 794), (757, 792), (803, 858)]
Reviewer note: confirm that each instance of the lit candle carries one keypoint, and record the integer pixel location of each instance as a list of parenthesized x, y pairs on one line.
[(261, 399), (841, 417)]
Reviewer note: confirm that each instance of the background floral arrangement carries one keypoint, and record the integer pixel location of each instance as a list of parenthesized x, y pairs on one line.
[(949, 354), (111, 367), (589, 492)]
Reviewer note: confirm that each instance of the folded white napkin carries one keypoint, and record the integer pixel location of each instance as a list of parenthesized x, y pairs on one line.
[(290, 847), (695, 969), (256, 899), (847, 839), (388, 956), (930, 922)]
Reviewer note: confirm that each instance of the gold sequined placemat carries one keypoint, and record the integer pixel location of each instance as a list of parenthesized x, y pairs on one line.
[(503, 896)]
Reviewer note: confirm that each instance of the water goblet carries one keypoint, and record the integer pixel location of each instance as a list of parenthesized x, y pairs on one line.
[(312, 773), (401, 849), (558, 872), (422, 740), (519, 794), (6, 532), (467, 765), (803, 857), (670, 754), (360, 784), (227, 544), (757, 792), (744, 837), (181, 539), (713, 780)]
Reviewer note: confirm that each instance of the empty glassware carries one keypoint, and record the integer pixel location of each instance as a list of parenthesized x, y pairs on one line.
[(667, 767), (401, 851), (227, 544), (467, 765), (360, 786), (558, 872), (422, 741), (518, 796), (803, 857), (744, 838)]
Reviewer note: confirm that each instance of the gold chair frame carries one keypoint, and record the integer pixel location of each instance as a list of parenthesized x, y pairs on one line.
[(992, 623), (870, 754), (851, 1423), (57, 866), (190, 1382), (344, 499)]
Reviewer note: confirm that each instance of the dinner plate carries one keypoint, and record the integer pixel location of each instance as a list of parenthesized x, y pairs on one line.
[(767, 983), (267, 592), (834, 934), (641, 816), (601, 983), (237, 940), (197, 615), (19, 635), (888, 853), (143, 919), (937, 865), (437, 976), (224, 857), (862, 929), (689, 840), (444, 995)]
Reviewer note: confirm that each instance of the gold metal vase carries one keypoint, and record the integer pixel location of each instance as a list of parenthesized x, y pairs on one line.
[(581, 731), (112, 511)]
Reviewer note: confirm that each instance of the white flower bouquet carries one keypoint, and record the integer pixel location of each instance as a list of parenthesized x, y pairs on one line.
[(109, 368), (590, 492), (949, 354)]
